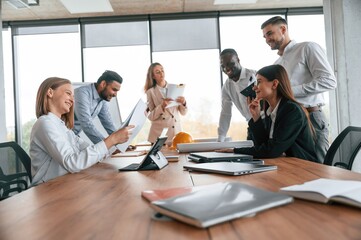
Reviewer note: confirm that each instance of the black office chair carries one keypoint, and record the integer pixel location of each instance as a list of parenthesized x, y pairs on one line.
[(15, 169), (344, 148)]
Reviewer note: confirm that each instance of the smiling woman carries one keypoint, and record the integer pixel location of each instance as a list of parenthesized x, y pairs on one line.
[(285, 127), (55, 95), (54, 148), (65, 95)]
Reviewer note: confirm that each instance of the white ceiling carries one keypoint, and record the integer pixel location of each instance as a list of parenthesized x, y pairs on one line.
[(54, 9)]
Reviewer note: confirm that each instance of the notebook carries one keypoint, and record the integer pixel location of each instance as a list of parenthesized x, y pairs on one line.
[(154, 159), (230, 168), (327, 190), (204, 157)]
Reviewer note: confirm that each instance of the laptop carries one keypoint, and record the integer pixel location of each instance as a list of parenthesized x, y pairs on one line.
[(204, 157), (154, 160), (230, 168)]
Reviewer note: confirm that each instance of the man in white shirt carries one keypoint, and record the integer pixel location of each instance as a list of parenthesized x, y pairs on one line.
[(310, 74), (238, 79)]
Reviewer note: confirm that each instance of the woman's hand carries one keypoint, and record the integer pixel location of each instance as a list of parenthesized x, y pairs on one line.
[(119, 136), (254, 108), (181, 100), (165, 102)]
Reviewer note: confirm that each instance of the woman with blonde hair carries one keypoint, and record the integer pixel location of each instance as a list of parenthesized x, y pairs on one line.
[(284, 126), (54, 148), (160, 116)]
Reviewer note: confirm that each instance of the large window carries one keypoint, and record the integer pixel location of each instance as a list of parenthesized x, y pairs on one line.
[(41, 53), (188, 47), (123, 48), (244, 34), (199, 71), (300, 30)]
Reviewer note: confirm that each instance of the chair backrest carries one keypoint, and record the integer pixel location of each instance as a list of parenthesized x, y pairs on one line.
[(15, 169), (344, 148)]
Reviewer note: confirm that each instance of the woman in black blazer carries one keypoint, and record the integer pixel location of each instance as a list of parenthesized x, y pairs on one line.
[(284, 127)]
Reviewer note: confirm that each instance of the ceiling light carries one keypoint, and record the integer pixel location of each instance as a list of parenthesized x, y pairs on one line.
[(86, 6), (220, 2)]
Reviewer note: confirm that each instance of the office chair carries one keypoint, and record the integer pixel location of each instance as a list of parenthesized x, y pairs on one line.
[(344, 148), (15, 169)]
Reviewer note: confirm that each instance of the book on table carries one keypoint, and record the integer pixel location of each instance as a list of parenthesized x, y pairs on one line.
[(327, 190), (208, 205)]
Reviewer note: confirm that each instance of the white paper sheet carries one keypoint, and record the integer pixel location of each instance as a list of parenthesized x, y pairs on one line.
[(137, 117), (174, 91)]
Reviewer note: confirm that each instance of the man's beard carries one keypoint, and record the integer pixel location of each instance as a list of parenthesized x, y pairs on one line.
[(103, 96), (278, 44)]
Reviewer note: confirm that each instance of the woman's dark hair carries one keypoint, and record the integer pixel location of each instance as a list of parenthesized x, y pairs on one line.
[(284, 88)]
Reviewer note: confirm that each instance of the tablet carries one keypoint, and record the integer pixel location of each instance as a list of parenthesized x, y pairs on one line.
[(154, 160), (249, 92)]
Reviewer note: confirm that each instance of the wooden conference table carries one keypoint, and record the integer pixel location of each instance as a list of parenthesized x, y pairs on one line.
[(102, 203)]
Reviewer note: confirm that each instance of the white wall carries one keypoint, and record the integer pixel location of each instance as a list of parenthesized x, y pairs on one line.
[(343, 35)]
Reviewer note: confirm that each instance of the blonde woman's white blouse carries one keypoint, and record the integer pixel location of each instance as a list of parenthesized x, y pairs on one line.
[(55, 150)]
